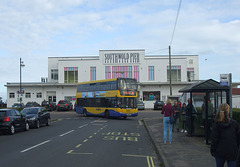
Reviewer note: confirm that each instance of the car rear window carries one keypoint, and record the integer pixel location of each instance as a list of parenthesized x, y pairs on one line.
[(29, 111), (2, 114), (62, 102), (45, 103)]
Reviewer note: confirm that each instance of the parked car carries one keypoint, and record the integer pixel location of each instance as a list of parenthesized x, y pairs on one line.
[(37, 116), (140, 105), (64, 105), (50, 106), (32, 104), (12, 120), (158, 105), (18, 105)]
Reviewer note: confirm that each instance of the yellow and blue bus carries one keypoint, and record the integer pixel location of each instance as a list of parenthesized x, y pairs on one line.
[(110, 98)]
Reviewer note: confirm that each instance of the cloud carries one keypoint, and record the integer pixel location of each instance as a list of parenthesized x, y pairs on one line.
[(37, 29)]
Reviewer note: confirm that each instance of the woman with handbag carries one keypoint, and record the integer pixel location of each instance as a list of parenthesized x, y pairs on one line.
[(167, 110), (225, 138)]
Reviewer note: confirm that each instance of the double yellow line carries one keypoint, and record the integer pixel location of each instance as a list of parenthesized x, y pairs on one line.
[(149, 159)]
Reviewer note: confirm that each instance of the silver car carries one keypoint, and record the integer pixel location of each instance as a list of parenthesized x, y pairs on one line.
[(140, 105)]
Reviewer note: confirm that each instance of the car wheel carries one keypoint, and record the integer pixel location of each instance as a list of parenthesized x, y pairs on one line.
[(12, 130), (48, 122), (26, 126), (37, 124)]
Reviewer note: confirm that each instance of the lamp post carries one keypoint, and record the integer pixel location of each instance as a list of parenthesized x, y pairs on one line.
[(120, 72), (20, 91)]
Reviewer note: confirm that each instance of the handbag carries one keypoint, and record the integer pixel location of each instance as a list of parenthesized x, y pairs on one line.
[(172, 117)]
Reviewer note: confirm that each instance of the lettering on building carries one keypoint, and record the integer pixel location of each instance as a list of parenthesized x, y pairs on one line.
[(115, 58)]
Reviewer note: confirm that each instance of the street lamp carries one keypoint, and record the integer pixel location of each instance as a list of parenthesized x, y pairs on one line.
[(20, 91), (120, 72)]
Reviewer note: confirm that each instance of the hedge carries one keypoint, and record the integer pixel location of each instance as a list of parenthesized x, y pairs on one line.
[(236, 114)]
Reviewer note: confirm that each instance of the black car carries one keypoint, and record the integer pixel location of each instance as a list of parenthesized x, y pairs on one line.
[(32, 104), (12, 120), (158, 105), (37, 116), (64, 105), (18, 105), (50, 106)]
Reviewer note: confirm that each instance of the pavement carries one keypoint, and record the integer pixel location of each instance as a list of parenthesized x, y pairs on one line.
[(183, 151)]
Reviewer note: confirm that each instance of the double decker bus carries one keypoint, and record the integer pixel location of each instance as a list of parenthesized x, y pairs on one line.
[(110, 98)]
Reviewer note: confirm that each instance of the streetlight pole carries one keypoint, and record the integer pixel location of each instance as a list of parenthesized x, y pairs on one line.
[(20, 91), (170, 71)]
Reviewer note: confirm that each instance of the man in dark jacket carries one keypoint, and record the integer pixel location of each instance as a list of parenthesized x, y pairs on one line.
[(177, 111), (190, 112)]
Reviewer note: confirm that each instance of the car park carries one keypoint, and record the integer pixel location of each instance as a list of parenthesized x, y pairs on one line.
[(12, 120), (37, 116), (50, 106), (158, 105), (18, 105), (32, 104), (64, 105), (140, 105)]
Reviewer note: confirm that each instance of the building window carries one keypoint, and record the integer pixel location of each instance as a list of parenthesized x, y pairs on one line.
[(136, 73), (107, 72), (28, 95), (54, 74), (39, 95), (92, 73), (151, 73), (175, 72), (190, 74), (151, 95), (122, 72), (70, 74), (190, 61), (11, 95), (52, 98)]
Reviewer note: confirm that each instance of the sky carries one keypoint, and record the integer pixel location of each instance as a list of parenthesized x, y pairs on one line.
[(37, 29)]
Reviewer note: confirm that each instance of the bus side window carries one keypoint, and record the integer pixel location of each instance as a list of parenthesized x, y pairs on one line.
[(114, 85)]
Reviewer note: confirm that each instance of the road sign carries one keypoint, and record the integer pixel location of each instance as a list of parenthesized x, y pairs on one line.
[(224, 80), (22, 92)]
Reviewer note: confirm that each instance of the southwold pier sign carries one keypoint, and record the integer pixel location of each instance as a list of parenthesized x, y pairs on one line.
[(114, 58)]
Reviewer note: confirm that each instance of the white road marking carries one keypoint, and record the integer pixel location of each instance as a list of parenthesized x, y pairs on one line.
[(35, 146), (99, 121), (66, 133), (98, 124), (83, 126)]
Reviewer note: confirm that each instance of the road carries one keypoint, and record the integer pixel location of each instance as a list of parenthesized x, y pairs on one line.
[(74, 140)]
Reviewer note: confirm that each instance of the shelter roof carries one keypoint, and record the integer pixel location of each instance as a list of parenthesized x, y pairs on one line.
[(203, 86)]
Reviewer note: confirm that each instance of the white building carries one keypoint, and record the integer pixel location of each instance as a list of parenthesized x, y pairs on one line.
[(152, 73)]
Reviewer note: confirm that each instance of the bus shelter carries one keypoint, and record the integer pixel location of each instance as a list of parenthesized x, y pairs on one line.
[(206, 96)]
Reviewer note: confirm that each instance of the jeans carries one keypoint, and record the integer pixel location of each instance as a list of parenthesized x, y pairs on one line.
[(220, 162), (167, 129), (184, 127)]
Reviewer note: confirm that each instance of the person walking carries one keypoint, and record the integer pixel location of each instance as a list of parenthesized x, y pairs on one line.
[(177, 117), (167, 110), (183, 118), (225, 138)]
